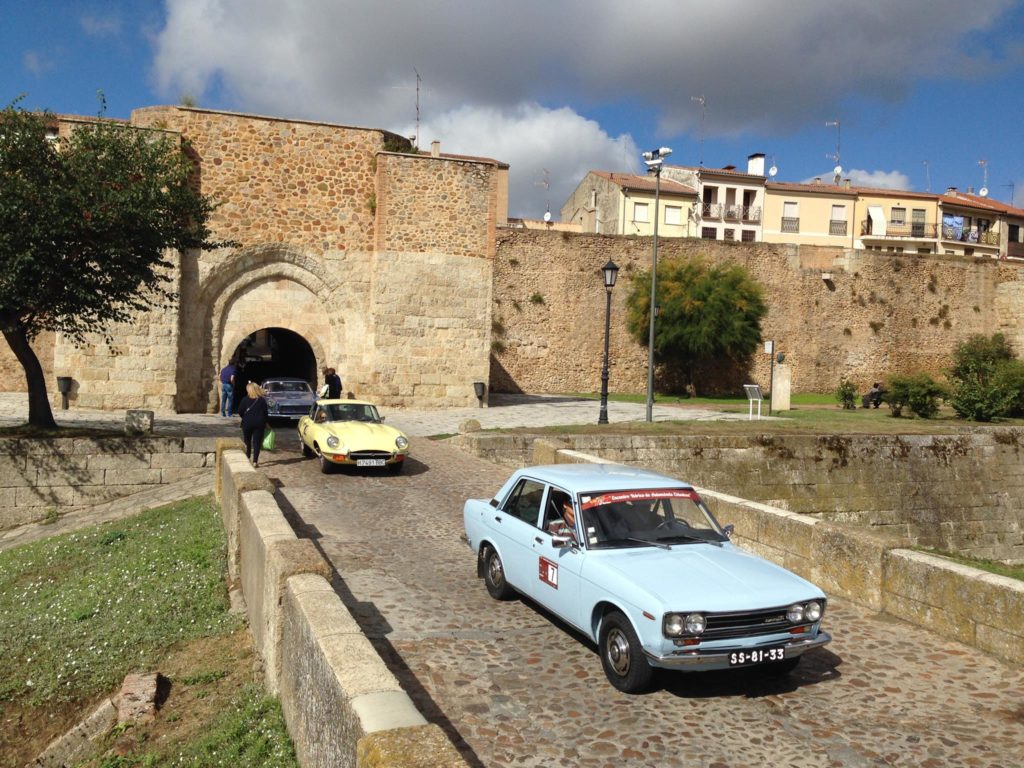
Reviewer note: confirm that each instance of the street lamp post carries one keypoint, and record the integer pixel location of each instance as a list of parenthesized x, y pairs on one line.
[(654, 160), (611, 273)]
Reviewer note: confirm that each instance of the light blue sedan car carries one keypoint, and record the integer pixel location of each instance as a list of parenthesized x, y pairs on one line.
[(636, 561)]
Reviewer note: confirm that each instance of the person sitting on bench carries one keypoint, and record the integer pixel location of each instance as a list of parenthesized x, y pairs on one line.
[(873, 396)]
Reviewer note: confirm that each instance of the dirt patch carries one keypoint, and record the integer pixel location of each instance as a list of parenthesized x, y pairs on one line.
[(203, 676)]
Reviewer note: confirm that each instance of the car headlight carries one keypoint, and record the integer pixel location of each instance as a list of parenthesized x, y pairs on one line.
[(401, 443), (812, 611), (332, 441), (273, 406), (679, 624), (795, 613)]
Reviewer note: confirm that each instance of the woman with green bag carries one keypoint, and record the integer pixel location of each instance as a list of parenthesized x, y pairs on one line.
[(254, 412)]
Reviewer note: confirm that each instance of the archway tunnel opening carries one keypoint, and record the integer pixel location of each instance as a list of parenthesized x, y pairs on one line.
[(272, 353)]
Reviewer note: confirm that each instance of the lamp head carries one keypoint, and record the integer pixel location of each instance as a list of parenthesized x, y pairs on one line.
[(611, 274)]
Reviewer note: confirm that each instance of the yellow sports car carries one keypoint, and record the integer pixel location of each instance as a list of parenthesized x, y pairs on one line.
[(340, 432)]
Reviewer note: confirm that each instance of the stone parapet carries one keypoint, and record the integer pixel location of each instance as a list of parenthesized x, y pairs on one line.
[(40, 479)]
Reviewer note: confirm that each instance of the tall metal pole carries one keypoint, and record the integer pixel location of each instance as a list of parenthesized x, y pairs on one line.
[(603, 416), (654, 289)]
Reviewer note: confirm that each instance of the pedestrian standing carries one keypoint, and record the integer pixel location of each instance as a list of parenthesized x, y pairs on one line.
[(227, 386), (333, 382), (254, 413)]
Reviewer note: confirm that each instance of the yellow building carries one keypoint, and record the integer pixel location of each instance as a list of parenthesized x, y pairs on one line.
[(611, 203)]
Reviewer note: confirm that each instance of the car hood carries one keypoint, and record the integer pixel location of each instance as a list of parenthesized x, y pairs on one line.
[(359, 435), (707, 577)]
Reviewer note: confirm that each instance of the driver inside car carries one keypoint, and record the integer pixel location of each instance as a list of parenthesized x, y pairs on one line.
[(565, 525)]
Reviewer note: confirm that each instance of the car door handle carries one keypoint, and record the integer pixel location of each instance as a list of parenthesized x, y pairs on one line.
[(538, 539), (497, 518)]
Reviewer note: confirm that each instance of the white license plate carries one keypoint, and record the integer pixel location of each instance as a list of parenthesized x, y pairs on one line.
[(756, 656), (369, 462)]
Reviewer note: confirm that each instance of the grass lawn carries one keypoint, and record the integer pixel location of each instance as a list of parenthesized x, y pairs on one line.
[(80, 611)]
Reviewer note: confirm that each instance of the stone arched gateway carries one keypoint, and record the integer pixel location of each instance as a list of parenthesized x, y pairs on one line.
[(269, 286)]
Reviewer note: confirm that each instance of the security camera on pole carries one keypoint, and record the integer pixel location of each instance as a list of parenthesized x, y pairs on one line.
[(654, 160)]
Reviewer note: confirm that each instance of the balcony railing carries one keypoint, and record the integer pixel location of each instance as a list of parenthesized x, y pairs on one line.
[(917, 230), (790, 224), (837, 227), (749, 213), (968, 235)]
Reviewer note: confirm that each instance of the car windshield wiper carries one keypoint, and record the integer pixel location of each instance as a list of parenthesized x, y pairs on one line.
[(648, 542)]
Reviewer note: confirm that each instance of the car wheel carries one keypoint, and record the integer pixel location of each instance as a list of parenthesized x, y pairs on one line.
[(325, 465), (622, 656), (306, 450), (494, 576), (396, 468)]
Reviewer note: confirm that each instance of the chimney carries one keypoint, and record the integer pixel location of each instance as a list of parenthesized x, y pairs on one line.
[(817, 180), (846, 183), (755, 164), (435, 148), (970, 190), (951, 191)]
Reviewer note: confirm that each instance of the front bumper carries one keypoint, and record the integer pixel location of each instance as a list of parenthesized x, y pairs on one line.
[(344, 459), (719, 658)]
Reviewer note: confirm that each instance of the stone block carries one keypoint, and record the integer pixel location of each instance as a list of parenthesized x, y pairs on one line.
[(138, 422), (44, 495), (177, 460), (424, 746), (132, 477), (120, 461)]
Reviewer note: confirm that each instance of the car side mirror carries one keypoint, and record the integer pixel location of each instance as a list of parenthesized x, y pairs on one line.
[(728, 530), (561, 541)]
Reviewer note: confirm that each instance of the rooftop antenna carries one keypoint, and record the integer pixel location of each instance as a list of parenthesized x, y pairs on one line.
[(838, 170), (416, 138), (983, 192), (703, 108), (1013, 200), (546, 183), (927, 176)]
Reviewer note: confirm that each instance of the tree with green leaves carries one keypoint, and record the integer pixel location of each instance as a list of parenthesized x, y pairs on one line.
[(708, 314), (87, 223)]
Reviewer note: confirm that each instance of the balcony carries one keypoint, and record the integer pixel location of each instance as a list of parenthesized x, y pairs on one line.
[(968, 235), (837, 228), (790, 224), (746, 213), (917, 230)]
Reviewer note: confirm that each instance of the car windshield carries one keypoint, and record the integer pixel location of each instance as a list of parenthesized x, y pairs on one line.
[(287, 386), (351, 412), (646, 517)]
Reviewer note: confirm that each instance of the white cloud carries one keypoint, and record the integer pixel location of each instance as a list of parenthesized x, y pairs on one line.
[(764, 67), (37, 63), (100, 26), (874, 179), (532, 140)]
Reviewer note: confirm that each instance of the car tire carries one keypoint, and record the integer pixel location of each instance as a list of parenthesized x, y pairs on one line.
[(306, 450), (494, 575), (325, 465), (622, 656)]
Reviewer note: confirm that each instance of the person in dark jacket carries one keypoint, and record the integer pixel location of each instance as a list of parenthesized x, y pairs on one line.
[(333, 382), (254, 413)]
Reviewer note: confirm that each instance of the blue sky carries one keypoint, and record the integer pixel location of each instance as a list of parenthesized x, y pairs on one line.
[(923, 89)]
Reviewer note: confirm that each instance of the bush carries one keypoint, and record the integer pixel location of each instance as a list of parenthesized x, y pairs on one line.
[(987, 379), (919, 392), (846, 394)]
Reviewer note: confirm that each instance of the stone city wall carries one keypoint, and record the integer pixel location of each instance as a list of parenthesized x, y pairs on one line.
[(880, 313), (342, 705), (960, 493), (869, 568), (41, 478)]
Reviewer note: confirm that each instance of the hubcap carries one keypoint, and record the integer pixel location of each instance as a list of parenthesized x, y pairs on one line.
[(494, 569), (617, 651)]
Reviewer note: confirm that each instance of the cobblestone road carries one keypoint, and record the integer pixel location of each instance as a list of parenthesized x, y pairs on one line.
[(512, 687)]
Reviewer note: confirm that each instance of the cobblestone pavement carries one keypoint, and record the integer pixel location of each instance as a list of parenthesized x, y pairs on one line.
[(513, 687)]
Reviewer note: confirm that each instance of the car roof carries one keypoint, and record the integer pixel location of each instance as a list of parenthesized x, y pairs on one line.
[(285, 378), (343, 401), (595, 477)]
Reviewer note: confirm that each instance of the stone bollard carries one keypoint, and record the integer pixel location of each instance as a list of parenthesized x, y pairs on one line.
[(138, 422), (469, 425)]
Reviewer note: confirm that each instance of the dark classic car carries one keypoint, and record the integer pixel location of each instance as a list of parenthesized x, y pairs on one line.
[(289, 398)]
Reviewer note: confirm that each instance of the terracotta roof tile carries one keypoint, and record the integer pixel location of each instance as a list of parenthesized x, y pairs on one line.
[(645, 183)]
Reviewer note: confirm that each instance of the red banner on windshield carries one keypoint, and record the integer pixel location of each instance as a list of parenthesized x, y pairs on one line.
[(618, 497)]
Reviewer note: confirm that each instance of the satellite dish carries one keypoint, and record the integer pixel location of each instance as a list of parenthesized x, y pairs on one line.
[(983, 191), (772, 171), (547, 215), (838, 170)]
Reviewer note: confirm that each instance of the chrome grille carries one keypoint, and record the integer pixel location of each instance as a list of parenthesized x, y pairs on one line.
[(370, 455), (767, 621)]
